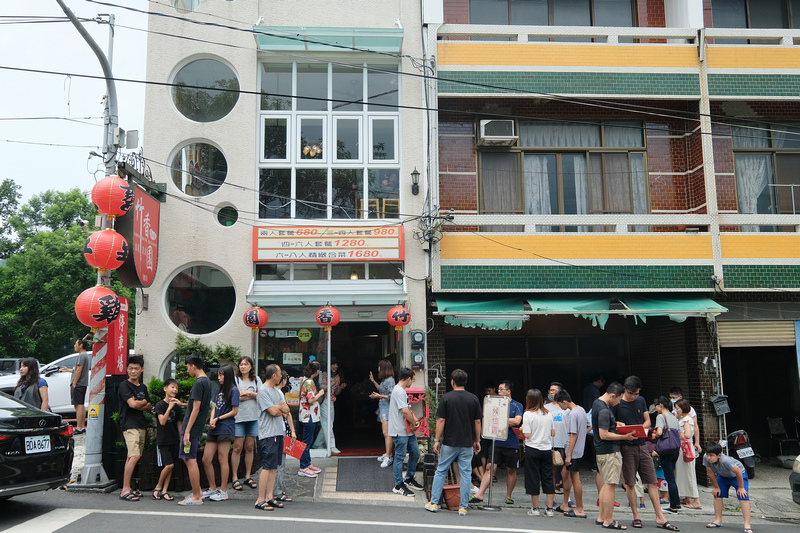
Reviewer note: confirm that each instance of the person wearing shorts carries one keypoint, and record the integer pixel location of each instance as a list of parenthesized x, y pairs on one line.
[(577, 425), (606, 445), (193, 422), (636, 458), (168, 436), (726, 472), (133, 399), (79, 382), (270, 437)]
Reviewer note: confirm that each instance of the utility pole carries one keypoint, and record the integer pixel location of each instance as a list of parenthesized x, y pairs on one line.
[(92, 475)]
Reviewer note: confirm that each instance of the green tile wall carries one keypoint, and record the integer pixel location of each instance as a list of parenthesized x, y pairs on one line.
[(761, 276), (529, 277), (753, 84), (570, 83)]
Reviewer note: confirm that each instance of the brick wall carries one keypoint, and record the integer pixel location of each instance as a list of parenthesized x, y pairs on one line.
[(700, 344), (435, 354)]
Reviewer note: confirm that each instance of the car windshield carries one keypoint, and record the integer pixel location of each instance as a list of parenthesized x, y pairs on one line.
[(7, 402)]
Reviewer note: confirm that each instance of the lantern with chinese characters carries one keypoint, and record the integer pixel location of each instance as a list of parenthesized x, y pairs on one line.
[(255, 318), (112, 196), (398, 317), (106, 249), (97, 307), (327, 317)]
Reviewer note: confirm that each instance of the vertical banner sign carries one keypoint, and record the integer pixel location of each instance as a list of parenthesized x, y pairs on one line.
[(495, 418), (140, 227), (117, 356)]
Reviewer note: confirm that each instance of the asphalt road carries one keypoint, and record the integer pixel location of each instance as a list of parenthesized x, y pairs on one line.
[(81, 512)]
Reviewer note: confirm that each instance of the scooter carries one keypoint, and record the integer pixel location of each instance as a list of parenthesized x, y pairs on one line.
[(740, 448)]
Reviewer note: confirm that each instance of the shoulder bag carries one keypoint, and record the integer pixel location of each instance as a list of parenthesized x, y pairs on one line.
[(669, 442)]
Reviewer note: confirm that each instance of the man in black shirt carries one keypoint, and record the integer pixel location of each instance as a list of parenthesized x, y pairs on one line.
[(193, 423), (632, 410), (133, 401)]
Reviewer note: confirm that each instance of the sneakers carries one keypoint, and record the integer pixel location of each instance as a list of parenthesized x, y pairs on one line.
[(208, 493), (533, 511), (432, 507), (670, 510), (549, 511), (218, 496), (305, 472), (335, 450), (382, 457), (411, 482), (473, 489), (403, 490), (314, 469), (387, 461), (462, 511)]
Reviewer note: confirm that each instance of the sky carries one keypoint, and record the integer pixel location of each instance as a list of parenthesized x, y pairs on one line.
[(57, 46)]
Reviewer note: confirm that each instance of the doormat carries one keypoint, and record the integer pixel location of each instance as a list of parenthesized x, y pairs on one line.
[(363, 474), (361, 452)]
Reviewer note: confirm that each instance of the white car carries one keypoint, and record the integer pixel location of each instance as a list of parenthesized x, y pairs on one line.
[(57, 384)]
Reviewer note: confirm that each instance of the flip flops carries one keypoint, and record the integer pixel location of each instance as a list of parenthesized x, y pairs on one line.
[(284, 498), (250, 483), (571, 514), (188, 501), (129, 497), (714, 525), (264, 506), (614, 525), (167, 496), (637, 523), (667, 526), (237, 485), (275, 503)]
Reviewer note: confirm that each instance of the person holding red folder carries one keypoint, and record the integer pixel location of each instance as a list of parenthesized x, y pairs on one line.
[(270, 436)]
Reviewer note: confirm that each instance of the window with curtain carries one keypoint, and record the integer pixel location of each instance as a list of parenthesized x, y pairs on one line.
[(569, 169), (553, 12), (330, 141), (766, 162), (755, 13)]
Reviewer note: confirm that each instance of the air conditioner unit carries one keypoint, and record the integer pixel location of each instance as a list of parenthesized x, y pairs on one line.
[(497, 133)]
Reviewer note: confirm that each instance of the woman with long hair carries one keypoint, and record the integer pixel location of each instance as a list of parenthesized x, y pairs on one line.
[(309, 416), (684, 471), (31, 388), (221, 433), (664, 421), (246, 431), (539, 430), (387, 383)]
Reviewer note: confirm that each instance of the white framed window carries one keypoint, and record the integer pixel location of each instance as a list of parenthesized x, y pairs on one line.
[(347, 136), (311, 145), (275, 135), (383, 139)]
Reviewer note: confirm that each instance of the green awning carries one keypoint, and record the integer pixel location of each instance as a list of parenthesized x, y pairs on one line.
[(492, 314), (594, 309), (678, 308), (296, 38)]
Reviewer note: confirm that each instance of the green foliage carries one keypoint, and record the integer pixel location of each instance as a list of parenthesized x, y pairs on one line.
[(115, 418), (220, 354), (44, 273), (433, 406)]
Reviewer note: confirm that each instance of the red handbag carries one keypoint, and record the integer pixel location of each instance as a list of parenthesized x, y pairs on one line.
[(688, 451)]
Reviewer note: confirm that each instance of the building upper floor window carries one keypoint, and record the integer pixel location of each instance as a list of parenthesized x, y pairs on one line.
[(766, 158), (327, 271), (330, 144), (755, 13), (567, 168), (553, 12)]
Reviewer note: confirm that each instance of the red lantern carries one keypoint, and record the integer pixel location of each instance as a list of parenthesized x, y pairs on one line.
[(97, 307), (398, 317), (256, 318), (112, 196), (105, 249), (327, 317)]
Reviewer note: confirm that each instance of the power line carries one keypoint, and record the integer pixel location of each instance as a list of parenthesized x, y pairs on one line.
[(49, 144)]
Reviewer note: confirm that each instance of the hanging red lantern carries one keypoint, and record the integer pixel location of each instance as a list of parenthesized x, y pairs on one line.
[(97, 307), (112, 196), (255, 318), (398, 317), (106, 249), (327, 317)]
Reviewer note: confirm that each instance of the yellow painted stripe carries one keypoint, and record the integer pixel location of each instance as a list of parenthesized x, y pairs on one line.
[(763, 246), (570, 246), (753, 57), (551, 54)]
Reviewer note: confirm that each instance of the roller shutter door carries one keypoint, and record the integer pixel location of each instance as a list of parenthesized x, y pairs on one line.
[(756, 333)]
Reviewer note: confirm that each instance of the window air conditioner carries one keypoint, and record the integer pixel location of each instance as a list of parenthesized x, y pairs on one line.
[(497, 133)]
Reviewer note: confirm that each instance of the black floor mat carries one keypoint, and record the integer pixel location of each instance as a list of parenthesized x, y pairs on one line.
[(363, 474)]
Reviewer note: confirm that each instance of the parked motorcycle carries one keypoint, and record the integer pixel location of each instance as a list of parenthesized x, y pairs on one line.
[(740, 448)]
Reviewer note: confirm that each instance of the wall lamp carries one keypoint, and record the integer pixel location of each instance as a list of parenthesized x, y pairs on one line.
[(415, 182)]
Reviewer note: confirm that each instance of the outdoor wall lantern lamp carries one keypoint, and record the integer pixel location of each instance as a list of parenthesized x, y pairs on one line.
[(415, 182)]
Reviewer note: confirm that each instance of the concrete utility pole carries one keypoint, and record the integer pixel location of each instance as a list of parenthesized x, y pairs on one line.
[(93, 475)]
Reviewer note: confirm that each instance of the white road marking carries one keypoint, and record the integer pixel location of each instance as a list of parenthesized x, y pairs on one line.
[(50, 522)]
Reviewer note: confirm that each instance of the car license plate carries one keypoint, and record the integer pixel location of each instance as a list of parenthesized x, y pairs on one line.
[(37, 444), (745, 452)]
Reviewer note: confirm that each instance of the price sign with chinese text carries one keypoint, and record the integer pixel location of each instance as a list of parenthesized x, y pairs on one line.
[(327, 243)]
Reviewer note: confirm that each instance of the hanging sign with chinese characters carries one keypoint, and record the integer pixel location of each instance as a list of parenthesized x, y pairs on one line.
[(140, 227), (327, 243), (117, 354)]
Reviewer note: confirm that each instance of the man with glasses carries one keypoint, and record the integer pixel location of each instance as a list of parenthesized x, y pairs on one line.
[(506, 451), (632, 410)]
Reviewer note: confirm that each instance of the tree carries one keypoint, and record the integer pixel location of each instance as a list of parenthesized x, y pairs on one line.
[(9, 200), (41, 280)]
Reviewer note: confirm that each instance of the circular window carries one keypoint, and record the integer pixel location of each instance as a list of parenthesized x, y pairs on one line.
[(199, 169), (205, 90), (185, 6), (227, 216), (200, 299)]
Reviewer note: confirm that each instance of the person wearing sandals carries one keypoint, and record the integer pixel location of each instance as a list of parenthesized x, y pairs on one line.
[(577, 426), (309, 416), (280, 487), (506, 452), (726, 472), (133, 397), (685, 475), (194, 420), (384, 394), (538, 430), (665, 421), (270, 436), (168, 437), (221, 431), (246, 423)]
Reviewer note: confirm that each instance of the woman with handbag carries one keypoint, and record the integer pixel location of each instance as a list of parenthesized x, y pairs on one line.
[(538, 429), (309, 416), (668, 444), (684, 471)]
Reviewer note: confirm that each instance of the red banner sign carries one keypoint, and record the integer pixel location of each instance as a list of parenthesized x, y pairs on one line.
[(117, 355), (140, 227)]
